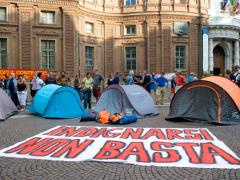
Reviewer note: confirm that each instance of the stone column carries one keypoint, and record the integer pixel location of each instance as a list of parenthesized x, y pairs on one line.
[(236, 52), (210, 55), (205, 50)]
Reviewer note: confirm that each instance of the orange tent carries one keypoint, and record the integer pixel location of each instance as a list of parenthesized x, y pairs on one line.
[(213, 99)]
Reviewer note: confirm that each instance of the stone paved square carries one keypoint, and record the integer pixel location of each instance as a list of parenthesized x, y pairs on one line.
[(29, 125)]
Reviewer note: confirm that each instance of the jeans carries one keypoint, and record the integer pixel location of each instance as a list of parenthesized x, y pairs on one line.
[(87, 98), (14, 98)]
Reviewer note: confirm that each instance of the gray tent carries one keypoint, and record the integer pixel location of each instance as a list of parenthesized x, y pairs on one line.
[(127, 98), (7, 107)]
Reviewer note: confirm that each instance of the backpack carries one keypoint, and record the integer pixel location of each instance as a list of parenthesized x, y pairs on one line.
[(104, 116), (114, 119)]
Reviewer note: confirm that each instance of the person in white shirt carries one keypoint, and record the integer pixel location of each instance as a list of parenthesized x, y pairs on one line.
[(39, 82)]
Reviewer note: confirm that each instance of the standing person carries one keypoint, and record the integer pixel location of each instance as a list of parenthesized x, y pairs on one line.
[(39, 82), (116, 79), (88, 86), (1, 83), (58, 79), (63, 81), (78, 87), (232, 77), (138, 79), (154, 86), (173, 87), (12, 86), (50, 79), (162, 83), (237, 75), (180, 80), (22, 92), (33, 85), (190, 77), (5, 83), (110, 78), (129, 78), (147, 80), (195, 77), (228, 74), (98, 84)]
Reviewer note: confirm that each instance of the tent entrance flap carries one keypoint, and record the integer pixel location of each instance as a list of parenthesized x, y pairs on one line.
[(218, 98), (113, 101)]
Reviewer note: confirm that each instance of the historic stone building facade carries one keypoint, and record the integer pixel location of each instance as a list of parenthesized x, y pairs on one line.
[(221, 40), (119, 35)]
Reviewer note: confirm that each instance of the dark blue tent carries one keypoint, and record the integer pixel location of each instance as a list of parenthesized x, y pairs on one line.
[(54, 101)]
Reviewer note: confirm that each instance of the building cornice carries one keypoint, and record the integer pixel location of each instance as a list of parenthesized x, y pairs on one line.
[(52, 2), (74, 7), (226, 27)]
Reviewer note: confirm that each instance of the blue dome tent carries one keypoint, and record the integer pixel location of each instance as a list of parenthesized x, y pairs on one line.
[(54, 101)]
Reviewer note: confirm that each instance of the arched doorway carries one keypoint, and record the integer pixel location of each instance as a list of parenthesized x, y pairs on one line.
[(218, 60)]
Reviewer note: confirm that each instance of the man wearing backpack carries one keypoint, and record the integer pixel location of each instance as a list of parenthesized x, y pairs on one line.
[(162, 83)]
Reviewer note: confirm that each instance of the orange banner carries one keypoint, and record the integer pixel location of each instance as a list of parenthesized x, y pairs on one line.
[(28, 73)]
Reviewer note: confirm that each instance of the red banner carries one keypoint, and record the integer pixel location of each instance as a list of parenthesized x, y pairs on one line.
[(28, 73)]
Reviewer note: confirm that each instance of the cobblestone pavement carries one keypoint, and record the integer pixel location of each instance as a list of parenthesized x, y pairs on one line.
[(24, 125)]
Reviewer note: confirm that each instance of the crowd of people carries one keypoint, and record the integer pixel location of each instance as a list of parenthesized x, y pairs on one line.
[(94, 83), (234, 75)]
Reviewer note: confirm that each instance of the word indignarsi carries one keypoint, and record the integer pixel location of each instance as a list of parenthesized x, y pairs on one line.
[(133, 133)]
